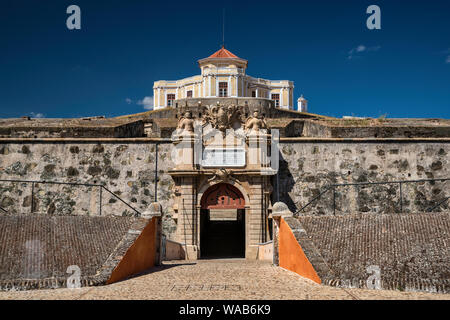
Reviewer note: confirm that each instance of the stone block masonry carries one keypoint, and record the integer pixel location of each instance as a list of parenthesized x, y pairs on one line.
[(36, 251), (124, 166), (411, 250), (307, 166), (127, 168), (92, 127)]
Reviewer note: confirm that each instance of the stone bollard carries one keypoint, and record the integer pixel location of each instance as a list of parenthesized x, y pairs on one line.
[(279, 210), (155, 212)]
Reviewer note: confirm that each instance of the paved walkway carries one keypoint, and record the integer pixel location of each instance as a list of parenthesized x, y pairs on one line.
[(217, 279)]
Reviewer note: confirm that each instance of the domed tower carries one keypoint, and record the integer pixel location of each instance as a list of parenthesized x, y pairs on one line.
[(223, 74)]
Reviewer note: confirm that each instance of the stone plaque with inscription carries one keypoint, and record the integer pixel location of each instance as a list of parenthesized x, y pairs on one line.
[(216, 157)]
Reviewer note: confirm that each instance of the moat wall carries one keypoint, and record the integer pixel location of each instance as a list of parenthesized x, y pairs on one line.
[(307, 166), (127, 168)]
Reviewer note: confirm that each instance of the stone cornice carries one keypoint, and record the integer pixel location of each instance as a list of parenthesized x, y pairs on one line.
[(168, 140), (85, 140), (212, 172), (362, 140)]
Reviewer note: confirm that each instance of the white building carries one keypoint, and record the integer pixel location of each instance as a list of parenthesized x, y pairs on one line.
[(223, 74)]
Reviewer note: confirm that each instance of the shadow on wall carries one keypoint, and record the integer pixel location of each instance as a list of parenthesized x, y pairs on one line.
[(283, 184)]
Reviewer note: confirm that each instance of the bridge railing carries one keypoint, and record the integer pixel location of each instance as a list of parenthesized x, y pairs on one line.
[(396, 201), (92, 199)]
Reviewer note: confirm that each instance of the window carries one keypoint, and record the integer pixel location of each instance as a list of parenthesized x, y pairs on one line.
[(223, 89), (170, 99), (189, 94), (253, 94), (276, 98)]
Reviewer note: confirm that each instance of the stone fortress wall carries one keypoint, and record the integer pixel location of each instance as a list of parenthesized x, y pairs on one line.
[(127, 168), (98, 127), (307, 167), (405, 252), (315, 151)]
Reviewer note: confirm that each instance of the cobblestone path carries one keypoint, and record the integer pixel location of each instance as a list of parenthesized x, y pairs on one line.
[(217, 279)]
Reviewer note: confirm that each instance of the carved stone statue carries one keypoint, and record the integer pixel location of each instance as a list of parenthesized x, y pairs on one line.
[(186, 123), (255, 122)]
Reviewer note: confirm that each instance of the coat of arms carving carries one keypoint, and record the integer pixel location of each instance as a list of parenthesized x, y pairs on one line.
[(223, 117)]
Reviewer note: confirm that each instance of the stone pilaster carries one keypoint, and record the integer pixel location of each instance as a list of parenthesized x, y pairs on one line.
[(187, 221), (254, 226)]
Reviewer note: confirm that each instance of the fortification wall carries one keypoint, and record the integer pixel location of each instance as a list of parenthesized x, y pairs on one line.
[(98, 246), (410, 251), (124, 166), (389, 132), (307, 166), (66, 128), (127, 168), (376, 128)]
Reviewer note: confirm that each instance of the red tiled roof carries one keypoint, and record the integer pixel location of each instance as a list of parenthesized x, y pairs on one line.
[(223, 53)]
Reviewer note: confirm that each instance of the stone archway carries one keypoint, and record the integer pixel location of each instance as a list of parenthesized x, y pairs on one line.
[(222, 222), (223, 196)]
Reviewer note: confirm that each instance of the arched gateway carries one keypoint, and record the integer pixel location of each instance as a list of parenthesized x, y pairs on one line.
[(222, 179), (223, 196), (222, 222)]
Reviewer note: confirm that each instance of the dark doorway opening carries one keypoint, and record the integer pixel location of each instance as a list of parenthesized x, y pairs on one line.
[(222, 223), (222, 234)]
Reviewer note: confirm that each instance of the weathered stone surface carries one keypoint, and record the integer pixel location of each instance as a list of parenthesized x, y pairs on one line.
[(123, 168), (235, 279), (326, 163), (376, 128), (37, 249), (85, 127), (128, 169), (72, 172), (411, 250)]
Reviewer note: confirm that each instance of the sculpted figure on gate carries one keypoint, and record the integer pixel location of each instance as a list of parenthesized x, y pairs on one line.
[(255, 122), (186, 123)]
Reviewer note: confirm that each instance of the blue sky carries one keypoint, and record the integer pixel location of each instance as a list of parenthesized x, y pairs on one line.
[(109, 66)]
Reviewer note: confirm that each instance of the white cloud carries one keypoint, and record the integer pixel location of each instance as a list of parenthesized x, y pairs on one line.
[(128, 101), (353, 53), (361, 48), (374, 48), (447, 55), (147, 103), (37, 115)]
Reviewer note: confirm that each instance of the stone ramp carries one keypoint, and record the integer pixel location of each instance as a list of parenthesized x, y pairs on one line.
[(36, 250), (229, 279), (411, 250)]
